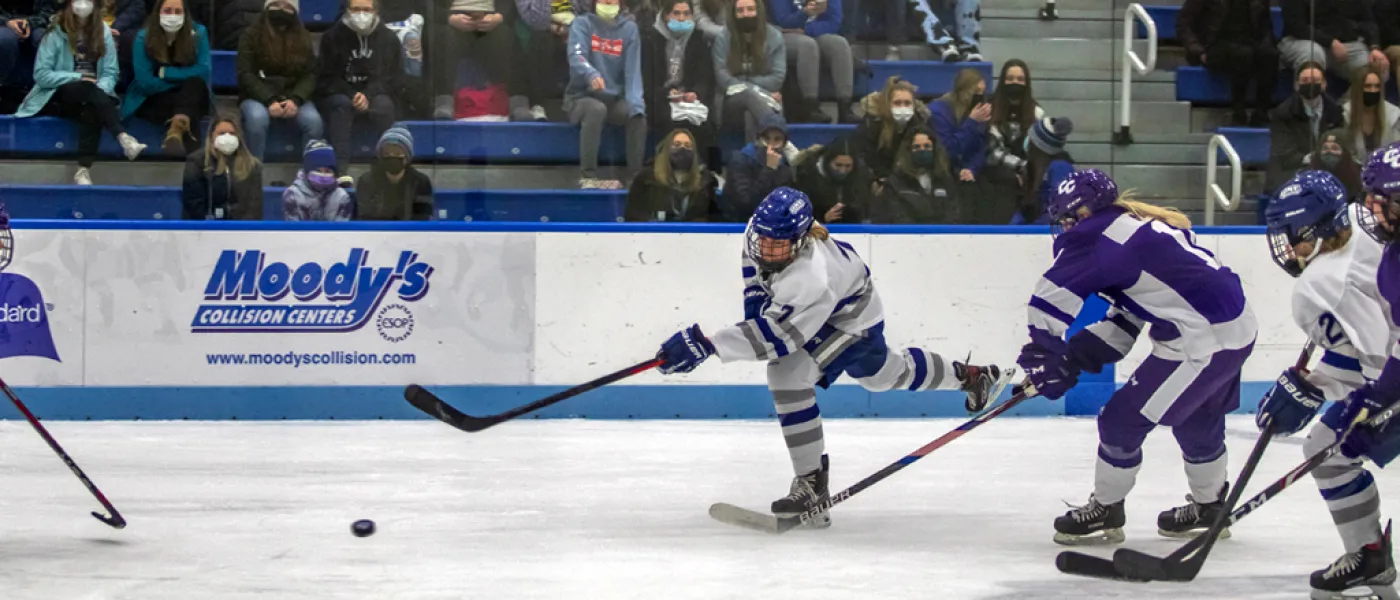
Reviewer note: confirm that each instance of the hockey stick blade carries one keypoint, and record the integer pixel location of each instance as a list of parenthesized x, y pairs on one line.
[(1084, 565), (743, 517), (428, 402)]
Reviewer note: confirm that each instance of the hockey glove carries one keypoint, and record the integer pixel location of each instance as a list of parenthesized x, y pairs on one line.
[(1375, 442), (685, 351), (1049, 372), (754, 300), (1290, 405)]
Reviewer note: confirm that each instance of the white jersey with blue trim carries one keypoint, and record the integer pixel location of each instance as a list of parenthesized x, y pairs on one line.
[(1337, 302), (827, 283)]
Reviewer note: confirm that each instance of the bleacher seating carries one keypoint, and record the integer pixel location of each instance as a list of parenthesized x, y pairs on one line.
[(1251, 144), (91, 202)]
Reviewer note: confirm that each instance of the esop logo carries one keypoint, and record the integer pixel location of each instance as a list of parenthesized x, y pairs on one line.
[(244, 291)]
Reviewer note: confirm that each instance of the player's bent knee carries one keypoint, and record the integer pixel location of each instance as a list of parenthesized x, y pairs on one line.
[(1319, 438)]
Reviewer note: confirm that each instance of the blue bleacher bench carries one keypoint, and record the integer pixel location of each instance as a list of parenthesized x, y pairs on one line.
[(1165, 17), (225, 66), (91, 202), (931, 77), (1251, 144), (1201, 87), (319, 14)]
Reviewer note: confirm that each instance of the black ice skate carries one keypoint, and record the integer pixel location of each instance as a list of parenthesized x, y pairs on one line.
[(807, 491), (1091, 525), (1370, 567), (981, 383), (1193, 518)]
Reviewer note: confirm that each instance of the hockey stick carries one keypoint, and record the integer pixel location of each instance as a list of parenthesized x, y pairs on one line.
[(427, 402), (116, 521), (769, 523)]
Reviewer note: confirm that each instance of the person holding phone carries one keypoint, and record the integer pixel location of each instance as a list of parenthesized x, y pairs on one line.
[(24, 25), (475, 30), (959, 119), (757, 170)]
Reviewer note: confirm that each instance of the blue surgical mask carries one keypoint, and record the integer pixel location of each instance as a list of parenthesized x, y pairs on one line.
[(681, 26)]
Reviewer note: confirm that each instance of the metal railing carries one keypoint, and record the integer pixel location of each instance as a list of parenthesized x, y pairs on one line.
[(1133, 62), (1214, 194)]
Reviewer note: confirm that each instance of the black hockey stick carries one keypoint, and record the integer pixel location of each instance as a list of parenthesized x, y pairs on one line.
[(769, 523), (427, 402), (116, 520)]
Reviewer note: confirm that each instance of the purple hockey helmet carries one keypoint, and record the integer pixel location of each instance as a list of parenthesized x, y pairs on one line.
[(1381, 181), (777, 232), (7, 239), (1091, 188)]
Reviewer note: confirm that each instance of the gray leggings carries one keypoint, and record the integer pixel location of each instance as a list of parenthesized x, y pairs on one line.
[(809, 53), (590, 113), (750, 109)]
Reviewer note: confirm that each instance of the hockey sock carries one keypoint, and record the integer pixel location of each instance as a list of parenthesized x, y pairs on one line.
[(801, 420), (1350, 492), (913, 369), (1115, 474), (1206, 477)]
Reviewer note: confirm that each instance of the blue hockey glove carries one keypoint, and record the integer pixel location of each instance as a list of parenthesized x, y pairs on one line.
[(1049, 372), (685, 351), (1290, 405), (1376, 442), (754, 299)]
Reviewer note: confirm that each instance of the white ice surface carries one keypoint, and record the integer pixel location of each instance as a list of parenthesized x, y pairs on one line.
[(590, 509)]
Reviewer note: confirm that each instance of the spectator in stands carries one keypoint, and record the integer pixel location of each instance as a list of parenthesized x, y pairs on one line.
[(1334, 156), (605, 85), (1234, 38), (677, 187), (921, 189), (750, 66), (1387, 13), (474, 30), (361, 69), (393, 190), (123, 18), (223, 180), (173, 67), (840, 192), (891, 116), (226, 20), (74, 78), (316, 195), (1047, 164), (761, 167), (1338, 33), (678, 75), (25, 22), (960, 121), (966, 18), (1295, 125), (544, 33), (710, 17), (1372, 121), (277, 75), (1014, 113), (811, 34)]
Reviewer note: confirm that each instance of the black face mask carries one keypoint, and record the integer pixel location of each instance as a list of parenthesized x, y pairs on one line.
[(1014, 91), (839, 176), (682, 159), (1330, 161), (978, 99), (746, 24), (281, 18), (1310, 91), (392, 165), (1370, 98)]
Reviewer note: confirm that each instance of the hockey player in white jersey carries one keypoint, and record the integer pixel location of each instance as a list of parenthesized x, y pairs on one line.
[(1314, 235), (812, 313)]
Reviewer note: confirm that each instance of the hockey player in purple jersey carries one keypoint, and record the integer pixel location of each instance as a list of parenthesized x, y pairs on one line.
[(1144, 260), (1313, 235), (812, 313)]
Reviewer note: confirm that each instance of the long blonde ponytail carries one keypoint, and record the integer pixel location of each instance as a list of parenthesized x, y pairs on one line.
[(818, 231), (1143, 210)]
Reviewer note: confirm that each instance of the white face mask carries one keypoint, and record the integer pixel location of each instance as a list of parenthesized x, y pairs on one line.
[(226, 143), (361, 22), (172, 23), (902, 114), (82, 8)]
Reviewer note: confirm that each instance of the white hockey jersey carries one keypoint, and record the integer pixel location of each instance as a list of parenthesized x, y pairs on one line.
[(827, 283), (1337, 303)]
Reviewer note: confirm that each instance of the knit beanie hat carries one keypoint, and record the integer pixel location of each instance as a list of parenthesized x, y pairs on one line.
[(318, 154), (1050, 134), (398, 135), (296, 4)]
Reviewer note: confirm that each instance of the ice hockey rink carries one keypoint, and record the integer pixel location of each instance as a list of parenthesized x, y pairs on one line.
[(600, 509)]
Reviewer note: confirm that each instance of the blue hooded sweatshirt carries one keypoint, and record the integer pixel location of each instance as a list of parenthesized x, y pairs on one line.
[(750, 179), (788, 14), (611, 50)]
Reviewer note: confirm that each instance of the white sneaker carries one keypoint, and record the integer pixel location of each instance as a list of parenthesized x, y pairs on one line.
[(82, 177), (588, 183), (537, 112), (130, 147), (892, 53)]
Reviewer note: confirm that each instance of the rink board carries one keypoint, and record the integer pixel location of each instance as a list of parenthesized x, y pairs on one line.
[(120, 320)]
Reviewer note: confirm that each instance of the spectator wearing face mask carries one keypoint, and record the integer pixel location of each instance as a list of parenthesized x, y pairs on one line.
[(676, 187), (678, 75), (173, 65), (605, 85), (921, 189), (1047, 164), (1295, 126), (840, 192), (750, 66), (223, 180), (960, 122), (316, 194), (1341, 34), (891, 116), (361, 69), (758, 169), (1234, 38), (1334, 156), (277, 75), (1373, 121), (74, 78), (1014, 114), (393, 190)]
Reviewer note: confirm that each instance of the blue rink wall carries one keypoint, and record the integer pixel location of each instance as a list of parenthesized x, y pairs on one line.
[(498, 315)]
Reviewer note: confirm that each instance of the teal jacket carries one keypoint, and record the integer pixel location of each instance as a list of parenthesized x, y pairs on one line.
[(148, 81), (56, 66)]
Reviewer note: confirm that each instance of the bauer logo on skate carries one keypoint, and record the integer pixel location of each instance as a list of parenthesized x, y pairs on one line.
[(246, 293)]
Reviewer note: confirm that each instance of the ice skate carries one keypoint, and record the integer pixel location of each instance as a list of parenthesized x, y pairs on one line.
[(807, 491), (982, 384), (1193, 518), (1093, 524), (1366, 573)]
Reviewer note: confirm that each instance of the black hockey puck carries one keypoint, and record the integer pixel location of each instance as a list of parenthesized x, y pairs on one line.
[(362, 528)]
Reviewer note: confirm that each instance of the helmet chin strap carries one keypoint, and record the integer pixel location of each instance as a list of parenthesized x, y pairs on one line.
[(1304, 260)]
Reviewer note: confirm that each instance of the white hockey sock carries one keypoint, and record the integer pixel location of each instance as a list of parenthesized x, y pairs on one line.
[(1112, 484), (1206, 479), (802, 428), (1350, 492), (913, 369)]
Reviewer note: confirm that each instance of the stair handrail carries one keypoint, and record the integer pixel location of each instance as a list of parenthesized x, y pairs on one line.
[(1214, 194), (1133, 62)]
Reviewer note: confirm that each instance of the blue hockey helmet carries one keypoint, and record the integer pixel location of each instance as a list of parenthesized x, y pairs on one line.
[(1091, 189), (777, 232), (1309, 208), (1381, 181)]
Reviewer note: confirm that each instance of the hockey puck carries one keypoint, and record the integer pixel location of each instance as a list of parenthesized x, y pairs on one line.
[(362, 528)]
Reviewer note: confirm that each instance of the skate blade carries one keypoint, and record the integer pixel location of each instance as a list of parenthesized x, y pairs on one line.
[(1103, 538), (1375, 592), (1192, 533)]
